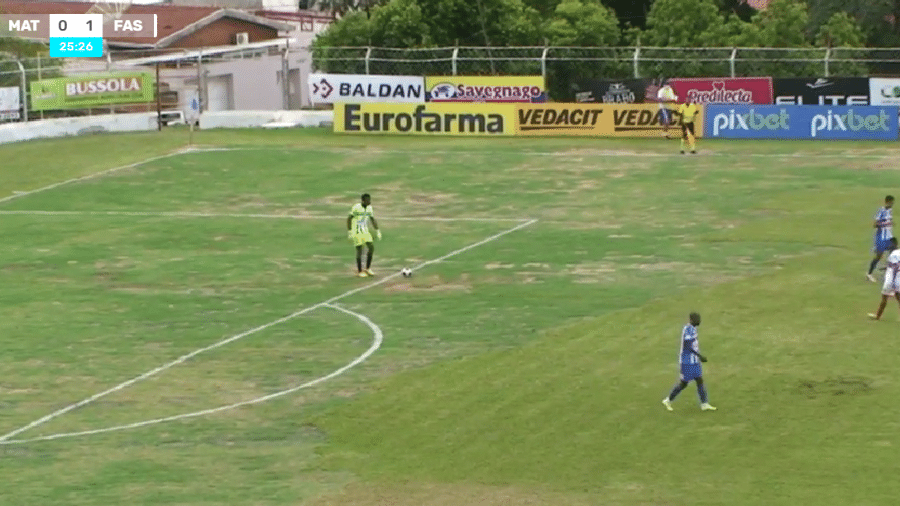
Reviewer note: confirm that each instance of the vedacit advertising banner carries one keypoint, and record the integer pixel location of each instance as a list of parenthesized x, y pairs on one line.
[(598, 120), (528, 89), (884, 91), (87, 91), (425, 119), (725, 90), (802, 122), (822, 91), (335, 88)]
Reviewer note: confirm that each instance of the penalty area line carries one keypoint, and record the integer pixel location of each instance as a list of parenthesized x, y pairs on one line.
[(5, 439)]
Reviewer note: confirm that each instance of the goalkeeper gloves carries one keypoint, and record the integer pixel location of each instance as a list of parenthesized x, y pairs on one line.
[(350, 235), (378, 234)]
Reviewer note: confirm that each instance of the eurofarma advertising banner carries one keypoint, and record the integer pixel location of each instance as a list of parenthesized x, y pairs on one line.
[(822, 91), (425, 119), (802, 122), (90, 91), (497, 89), (598, 120), (724, 90), (334, 88)]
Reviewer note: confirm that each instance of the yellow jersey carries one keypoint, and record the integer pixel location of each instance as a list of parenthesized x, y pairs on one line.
[(361, 216), (688, 112)]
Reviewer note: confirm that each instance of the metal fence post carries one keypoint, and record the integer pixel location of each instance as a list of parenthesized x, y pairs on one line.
[(827, 57), (731, 61), (23, 83), (544, 65), (453, 58), (368, 55), (637, 60)]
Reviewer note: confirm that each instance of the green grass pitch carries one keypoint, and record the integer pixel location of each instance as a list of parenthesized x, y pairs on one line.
[(525, 367)]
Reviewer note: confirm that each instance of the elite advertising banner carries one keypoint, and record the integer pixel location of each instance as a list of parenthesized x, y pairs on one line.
[(822, 91), (884, 91), (89, 91), (606, 120), (725, 90), (9, 103), (802, 122), (425, 119), (497, 89), (622, 91), (335, 88)]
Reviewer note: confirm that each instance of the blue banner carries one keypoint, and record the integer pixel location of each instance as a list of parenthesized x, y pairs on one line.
[(801, 122)]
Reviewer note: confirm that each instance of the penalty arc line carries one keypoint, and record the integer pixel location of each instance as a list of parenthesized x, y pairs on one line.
[(254, 330), (378, 339)]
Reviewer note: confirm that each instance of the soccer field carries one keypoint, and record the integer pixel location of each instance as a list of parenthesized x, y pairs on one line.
[(184, 326)]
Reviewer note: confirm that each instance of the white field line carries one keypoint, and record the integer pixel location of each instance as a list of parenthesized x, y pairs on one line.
[(21, 194), (254, 330), (378, 338), (576, 153), (188, 214)]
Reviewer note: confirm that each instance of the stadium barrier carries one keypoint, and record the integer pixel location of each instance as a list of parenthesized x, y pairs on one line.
[(802, 122), (363, 88), (66, 127)]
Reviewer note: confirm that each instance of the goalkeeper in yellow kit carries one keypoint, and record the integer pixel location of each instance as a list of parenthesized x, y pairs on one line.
[(358, 232), (688, 112)]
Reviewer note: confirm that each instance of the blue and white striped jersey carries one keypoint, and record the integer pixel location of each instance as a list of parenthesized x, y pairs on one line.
[(885, 219), (689, 345)]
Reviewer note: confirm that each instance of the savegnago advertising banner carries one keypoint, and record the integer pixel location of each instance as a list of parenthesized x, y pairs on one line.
[(335, 88), (528, 89), (802, 122), (425, 119), (725, 90), (598, 120), (87, 91)]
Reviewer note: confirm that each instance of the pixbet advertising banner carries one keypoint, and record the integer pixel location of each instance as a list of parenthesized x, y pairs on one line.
[(528, 89), (9, 103), (425, 119), (334, 88), (88, 91), (822, 91), (607, 120), (884, 91), (725, 90), (802, 122)]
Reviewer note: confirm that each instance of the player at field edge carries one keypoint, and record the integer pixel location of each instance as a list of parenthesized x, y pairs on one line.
[(884, 232), (891, 287), (688, 111), (689, 359), (358, 232), (667, 99)]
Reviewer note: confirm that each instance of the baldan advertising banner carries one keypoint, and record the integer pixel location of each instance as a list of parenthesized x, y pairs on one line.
[(597, 120), (497, 89), (724, 90), (89, 91), (425, 119), (334, 88)]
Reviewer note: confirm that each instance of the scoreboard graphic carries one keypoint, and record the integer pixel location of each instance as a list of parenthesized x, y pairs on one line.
[(77, 35)]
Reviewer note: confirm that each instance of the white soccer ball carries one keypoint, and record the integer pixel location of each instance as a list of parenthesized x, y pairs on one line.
[(406, 272)]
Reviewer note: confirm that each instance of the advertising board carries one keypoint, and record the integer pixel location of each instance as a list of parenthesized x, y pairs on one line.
[(724, 90), (822, 91), (802, 122), (425, 119), (335, 88), (528, 89)]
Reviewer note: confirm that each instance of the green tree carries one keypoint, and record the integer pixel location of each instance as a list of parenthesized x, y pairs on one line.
[(782, 25), (694, 25), (843, 31)]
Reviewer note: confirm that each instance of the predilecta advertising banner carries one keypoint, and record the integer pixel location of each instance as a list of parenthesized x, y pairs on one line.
[(802, 122), (597, 120), (89, 91), (425, 119)]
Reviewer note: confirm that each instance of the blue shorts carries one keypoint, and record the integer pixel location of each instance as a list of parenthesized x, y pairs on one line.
[(881, 245), (665, 116), (690, 372)]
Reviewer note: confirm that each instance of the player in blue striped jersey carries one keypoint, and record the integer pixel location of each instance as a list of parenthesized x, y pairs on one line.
[(690, 358), (884, 231)]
